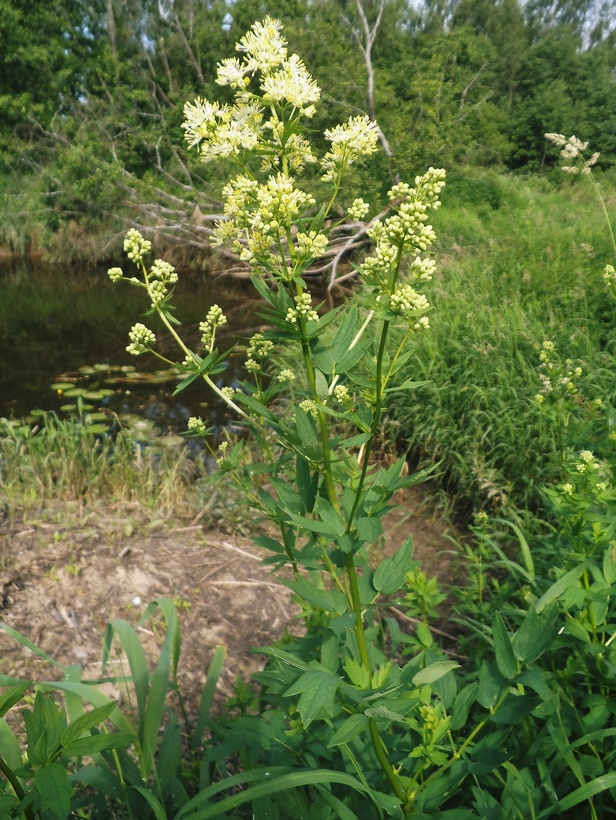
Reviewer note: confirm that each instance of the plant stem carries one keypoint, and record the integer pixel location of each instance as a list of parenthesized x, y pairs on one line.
[(15, 785), (381, 753)]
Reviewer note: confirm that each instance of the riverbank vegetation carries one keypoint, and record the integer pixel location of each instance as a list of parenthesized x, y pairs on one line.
[(496, 369)]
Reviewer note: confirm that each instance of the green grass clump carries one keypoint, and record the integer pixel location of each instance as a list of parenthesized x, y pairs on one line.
[(64, 461), (521, 262)]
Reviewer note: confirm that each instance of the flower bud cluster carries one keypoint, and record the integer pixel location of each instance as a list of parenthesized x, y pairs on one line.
[(308, 406), (230, 130), (215, 318), (164, 272), (142, 339), (342, 395), (358, 209), (261, 216), (422, 268), (135, 246), (303, 308), (157, 292), (115, 274), (609, 275), (587, 462), (196, 426), (258, 349), (286, 375), (311, 245), (405, 299)]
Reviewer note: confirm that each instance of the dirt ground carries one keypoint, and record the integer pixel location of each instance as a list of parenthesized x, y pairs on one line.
[(65, 573)]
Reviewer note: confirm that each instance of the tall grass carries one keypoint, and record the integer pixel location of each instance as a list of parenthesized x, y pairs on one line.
[(521, 262), (64, 461)]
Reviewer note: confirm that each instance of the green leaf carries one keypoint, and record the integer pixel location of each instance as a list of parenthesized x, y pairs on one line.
[(585, 792), (307, 484), (535, 635), (166, 666), (273, 780), (609, 564), (97, 743), (409, 384), (12, 696), (390, 574), (29, 645), (89, 694), (505, 658), (434, 672), (491, 685), (7, 804), (9, 745), (317, 690), (462, 705), (568, 580), (55, 789), (207, 697), (321, 386), (487, 755), (369, 529), (332, 529), (352, 727), (86, 722), (290, 500), (135, 655), (515, 708), (153, 803), (329, 600)]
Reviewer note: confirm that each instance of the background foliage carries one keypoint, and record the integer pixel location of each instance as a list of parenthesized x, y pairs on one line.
[(96, 135)]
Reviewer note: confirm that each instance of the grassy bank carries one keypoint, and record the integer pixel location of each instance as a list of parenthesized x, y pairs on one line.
[(64, 461), (521, 263)]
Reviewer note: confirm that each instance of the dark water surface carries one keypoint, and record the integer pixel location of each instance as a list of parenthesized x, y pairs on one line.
[(55, 320)]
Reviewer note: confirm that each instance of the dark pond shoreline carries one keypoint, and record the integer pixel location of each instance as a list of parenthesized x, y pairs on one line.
[(55, 319)]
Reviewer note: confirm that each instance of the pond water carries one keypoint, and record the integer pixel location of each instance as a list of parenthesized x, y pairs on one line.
[(64, 330)]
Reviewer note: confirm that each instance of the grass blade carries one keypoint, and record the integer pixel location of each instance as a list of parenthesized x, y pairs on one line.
[(207, 696)]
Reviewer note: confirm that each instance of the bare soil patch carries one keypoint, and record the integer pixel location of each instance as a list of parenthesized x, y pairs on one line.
[(65, 572)]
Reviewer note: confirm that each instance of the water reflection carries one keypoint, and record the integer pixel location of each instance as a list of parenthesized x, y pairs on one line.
[(58, 322)]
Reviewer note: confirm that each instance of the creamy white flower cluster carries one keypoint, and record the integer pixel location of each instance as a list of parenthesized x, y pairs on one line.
[(609, 275), (587, 462), (196, 426), (258, 349), (135, 246), (557, 378), (226, 130), (405, 230), (358, 209), (163, 271), (350, 141), (303, 309), (142, 339), (260, 216), (573, 150), (214, 318)]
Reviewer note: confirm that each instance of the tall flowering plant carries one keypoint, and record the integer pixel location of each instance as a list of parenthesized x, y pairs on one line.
[(323, 490)]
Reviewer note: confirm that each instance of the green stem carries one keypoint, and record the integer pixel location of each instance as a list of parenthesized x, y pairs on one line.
[(15, 785), (375, 423), (605, 211), (359, 621), (379, 748)]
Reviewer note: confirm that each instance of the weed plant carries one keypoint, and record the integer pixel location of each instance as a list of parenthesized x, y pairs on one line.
[(345, 726), (525, 267)]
